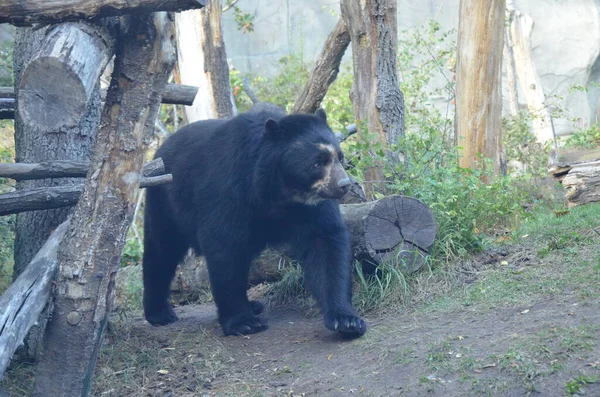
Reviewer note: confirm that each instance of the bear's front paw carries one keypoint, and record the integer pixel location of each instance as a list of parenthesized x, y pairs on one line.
[(162, 315), (347, 324), (243, 325)]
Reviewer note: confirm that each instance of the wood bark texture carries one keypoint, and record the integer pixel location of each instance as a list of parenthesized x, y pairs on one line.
[(376, 97), (202, 62), (89, 258), (478, 93), (521, 27), (216, 67), (325, 70), (581, 181), (57, 83), (25, 299), (27, 12), (64, 169), (508, 58)]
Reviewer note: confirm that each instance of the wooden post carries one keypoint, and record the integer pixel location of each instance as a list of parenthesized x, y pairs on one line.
[(376, 97), (89, 258), (325, 70), (478, 69)]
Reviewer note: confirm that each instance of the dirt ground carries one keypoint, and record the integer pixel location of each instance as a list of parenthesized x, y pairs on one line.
[(532, 328), (406, 354), (520, 321)]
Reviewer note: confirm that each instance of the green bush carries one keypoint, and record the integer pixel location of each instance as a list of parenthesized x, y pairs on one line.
[(587, 138)]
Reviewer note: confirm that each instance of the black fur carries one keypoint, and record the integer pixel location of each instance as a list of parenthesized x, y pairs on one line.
[(239, 185)]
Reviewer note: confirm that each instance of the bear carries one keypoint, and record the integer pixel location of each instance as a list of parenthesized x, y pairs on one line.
[(261, 178)]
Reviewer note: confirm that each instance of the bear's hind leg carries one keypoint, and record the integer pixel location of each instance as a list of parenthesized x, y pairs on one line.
[(228, 278), (164, 248)]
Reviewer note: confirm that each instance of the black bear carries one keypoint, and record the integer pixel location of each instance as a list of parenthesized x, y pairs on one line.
[(240, 184)]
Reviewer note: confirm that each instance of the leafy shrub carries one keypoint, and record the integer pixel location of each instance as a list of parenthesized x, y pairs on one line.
[(586, 138), (520, 145)]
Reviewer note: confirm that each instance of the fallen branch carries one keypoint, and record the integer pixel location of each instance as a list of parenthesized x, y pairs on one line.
[(44, 198), (64, 169), (25, 299), (325, 71)]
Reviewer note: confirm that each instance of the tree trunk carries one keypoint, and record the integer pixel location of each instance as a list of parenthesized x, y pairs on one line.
[(33, 145), (376, 97), (521, 27), (325, 71), (478, 70), (508, 57), (202, 62), (27, 12), (89, 258)]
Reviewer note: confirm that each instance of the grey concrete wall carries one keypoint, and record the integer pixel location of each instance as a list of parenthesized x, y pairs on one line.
[(566, 41)]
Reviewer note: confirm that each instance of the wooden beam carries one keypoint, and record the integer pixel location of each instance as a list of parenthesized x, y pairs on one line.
[(28, 12), (25, 298), (45, 198), (174, 94), (64, 169)]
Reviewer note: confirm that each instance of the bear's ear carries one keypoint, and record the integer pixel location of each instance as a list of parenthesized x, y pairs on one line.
[(320, 113), (272, 130)]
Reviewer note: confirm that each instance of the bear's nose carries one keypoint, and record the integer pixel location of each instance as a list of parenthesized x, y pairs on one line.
[(344, 183)]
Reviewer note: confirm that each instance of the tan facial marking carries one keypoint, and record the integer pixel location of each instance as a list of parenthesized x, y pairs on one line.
[(322, 183)]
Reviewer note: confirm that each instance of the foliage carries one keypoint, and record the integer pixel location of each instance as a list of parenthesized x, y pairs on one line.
[(244, 20), (132, 252), (521, 146), (6, 64), (284, 87), (465, 202), (586, 138)]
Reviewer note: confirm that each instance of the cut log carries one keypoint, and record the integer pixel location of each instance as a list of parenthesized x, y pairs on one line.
[(25, 298), (44, 198), (325, 71), (57, 83), (64, 169), (27, 12), (398, 230), (581, 181), (395, 229), (89, 258)]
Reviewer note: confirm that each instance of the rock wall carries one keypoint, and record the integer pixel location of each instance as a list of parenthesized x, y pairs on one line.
[(566, 42)]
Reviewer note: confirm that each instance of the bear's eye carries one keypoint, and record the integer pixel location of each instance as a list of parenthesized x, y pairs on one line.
[(317, 165)]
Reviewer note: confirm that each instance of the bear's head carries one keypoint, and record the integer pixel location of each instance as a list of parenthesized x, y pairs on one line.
[(308, 158)]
